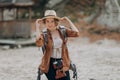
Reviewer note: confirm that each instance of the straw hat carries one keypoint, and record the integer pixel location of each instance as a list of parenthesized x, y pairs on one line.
[(50, 14)]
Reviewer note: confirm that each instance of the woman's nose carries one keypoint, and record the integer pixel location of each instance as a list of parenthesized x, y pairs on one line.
[(50, 24)]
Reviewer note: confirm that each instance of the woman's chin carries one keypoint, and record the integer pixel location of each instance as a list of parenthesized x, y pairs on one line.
[(52, 29)]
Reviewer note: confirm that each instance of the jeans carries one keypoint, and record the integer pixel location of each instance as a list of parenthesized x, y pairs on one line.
[(52, 72)]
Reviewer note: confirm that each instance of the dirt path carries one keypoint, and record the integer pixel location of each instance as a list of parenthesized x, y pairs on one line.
[(99, 61)]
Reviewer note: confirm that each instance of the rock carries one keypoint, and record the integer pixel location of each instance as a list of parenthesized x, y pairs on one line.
[(92, 79)]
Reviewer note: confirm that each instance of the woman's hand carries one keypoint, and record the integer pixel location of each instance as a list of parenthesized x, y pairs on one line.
[(65, 21), (69, 23), (38, 22)]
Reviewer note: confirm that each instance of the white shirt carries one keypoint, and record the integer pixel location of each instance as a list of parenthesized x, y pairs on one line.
[(57, 47)]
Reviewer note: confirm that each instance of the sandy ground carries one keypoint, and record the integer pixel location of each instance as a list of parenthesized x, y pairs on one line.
[(99, 61)]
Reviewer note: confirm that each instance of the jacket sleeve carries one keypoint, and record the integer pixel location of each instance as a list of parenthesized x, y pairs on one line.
[(71, 33), (40, 41)]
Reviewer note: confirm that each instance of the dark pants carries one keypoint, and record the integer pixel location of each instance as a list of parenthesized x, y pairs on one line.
[(52, 72)]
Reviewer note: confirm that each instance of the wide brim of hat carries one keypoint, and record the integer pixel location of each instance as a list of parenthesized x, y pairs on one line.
[(55, 17)]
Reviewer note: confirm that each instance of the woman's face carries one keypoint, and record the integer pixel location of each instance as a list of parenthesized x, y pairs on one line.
[(50, 23)]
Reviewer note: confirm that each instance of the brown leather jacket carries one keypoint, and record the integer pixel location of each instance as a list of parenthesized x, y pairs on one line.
[(44, 66)]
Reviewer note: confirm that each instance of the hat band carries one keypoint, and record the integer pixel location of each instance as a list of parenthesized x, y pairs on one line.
[(50, 15)]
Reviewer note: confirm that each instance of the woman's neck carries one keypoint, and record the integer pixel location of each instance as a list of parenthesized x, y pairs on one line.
[(53, 30)]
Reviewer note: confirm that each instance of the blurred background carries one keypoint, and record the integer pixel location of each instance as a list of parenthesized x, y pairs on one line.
[(96, 19)]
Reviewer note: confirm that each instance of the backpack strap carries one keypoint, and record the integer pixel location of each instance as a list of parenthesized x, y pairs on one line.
[(45, 36), (63, 31)]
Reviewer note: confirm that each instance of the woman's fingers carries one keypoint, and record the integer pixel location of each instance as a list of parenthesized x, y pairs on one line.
[(39, 21), (63, 20)]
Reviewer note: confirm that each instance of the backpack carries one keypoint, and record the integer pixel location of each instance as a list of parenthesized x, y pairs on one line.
[(45, 36), (63, 31)]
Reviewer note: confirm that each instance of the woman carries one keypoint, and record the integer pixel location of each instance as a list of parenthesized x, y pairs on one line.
[(56, 48)]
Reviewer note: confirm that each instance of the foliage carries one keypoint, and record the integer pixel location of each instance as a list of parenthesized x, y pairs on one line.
[(69, 7)]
